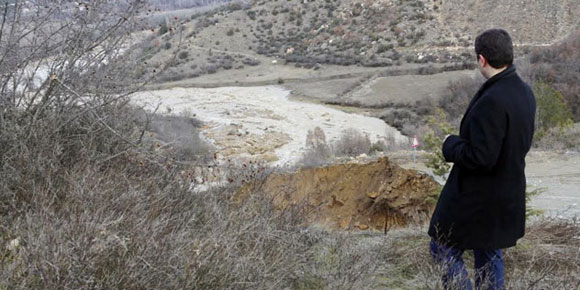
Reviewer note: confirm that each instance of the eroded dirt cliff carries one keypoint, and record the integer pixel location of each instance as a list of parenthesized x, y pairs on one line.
[(378, 195)]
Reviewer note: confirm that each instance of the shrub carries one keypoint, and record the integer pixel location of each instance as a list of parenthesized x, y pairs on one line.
[(531, 193), (317, 150), (559, 139), (211, 69), (251, 14), (458, 95), (162, 28), (552, 110), (183, 54), (352, 143), (384, 47), (234, 7), (251, 61), (559, 65), (433, 142), (227, 64), (428, 70)]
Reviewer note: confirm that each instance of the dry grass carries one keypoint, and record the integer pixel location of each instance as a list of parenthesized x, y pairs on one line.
[(89, 207), (85, 203), (546, 258), (127, 219), (560, 139)]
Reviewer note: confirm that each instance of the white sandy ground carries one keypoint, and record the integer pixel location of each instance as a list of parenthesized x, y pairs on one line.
[(258, 110)]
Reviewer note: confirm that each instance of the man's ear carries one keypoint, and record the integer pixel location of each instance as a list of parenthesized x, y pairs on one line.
[(481, 59)]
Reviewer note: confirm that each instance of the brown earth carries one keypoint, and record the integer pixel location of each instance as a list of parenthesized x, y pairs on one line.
[(378, 195)]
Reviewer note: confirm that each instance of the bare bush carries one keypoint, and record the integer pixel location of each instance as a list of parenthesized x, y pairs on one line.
[(403, 119), (567, 138), (86, 205), (317, 150), (63, 89), (352, 143), (138, 227), (183, 54), (183, 4), (343, 261), (559, 65), (179, 136), (458, 96), (251, 61)]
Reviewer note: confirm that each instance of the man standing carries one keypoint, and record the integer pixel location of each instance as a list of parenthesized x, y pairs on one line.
[(482, 205)]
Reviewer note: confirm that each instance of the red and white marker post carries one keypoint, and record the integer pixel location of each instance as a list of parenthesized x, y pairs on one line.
[(414, 144)]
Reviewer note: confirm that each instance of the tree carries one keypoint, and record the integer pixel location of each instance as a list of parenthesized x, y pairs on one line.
[(65, 74), (552, 111), (434, 142)]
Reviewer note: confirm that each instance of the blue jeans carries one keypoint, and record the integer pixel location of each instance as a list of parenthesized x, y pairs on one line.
[(489, 269)]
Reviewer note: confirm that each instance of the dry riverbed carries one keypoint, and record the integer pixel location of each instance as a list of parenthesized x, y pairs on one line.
[(261, 122)]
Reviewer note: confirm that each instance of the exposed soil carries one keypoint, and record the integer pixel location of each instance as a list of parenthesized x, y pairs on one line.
[(378, 195)]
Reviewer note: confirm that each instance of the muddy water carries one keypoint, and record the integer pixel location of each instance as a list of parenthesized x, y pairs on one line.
[(558, 174)]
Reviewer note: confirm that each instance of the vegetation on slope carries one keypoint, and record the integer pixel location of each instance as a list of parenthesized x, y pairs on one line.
[(88, 203)]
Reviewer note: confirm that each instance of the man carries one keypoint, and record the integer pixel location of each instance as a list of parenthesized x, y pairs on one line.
[(482, 205)]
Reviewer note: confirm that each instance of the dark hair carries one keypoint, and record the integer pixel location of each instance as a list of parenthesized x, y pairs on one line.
[(496, 46)]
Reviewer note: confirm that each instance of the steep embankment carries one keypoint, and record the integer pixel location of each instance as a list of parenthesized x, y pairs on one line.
[(376, 195)]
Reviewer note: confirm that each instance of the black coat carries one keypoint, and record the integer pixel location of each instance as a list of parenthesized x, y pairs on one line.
[(482, 205)]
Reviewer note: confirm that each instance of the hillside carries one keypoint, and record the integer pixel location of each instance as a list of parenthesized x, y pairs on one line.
[(310, 34)]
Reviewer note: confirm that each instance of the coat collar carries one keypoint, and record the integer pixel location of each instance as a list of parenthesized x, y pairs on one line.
[(511, 70), (505, 73)]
